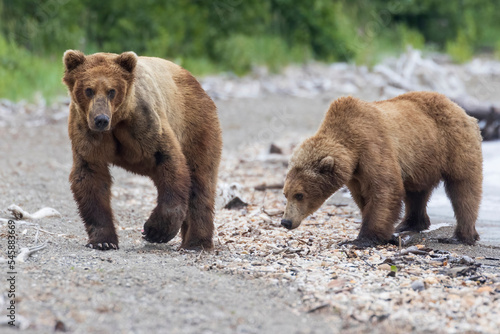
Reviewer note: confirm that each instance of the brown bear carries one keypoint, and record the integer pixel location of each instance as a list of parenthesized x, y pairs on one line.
[(387, 152), (151, 117)]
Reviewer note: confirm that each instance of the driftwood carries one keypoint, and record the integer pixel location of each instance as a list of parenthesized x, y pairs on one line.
[(262, 187), (487, 113), (413, 73)]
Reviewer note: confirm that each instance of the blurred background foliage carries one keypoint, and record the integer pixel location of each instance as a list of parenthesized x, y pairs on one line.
[(233, 35)]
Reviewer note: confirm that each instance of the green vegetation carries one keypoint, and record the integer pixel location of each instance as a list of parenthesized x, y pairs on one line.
[(23, 73), (232, 35)]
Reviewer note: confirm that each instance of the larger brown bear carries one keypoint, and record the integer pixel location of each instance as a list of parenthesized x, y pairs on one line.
[(150, 117), (387, 152)]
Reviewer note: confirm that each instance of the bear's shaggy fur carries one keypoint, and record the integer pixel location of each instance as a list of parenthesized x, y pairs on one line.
[(387, 152), (151, 117)]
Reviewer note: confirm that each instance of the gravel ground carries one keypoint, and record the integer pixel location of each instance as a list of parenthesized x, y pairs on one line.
[(260, 279)]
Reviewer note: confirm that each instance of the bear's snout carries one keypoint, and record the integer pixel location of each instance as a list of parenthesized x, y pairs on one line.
[(101, 122), (286, 223)]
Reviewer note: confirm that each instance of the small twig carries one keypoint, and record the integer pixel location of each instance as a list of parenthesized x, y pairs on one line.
[(253, 197), (262, 208), (262, 187), (349, 289), (26, 252), (368, 263), (23, 222), (317, 308)]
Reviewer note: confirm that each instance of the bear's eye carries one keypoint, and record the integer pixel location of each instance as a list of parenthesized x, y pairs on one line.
[(299, 196), (89, 92), (111, 93)]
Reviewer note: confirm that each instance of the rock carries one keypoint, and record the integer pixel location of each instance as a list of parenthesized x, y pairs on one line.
[(417, 286), (485, 288), (431, 280), (273, 212), (265, 218), (462, 271), (226, 193), (384, 266), (273, 149), (466, 260), (235, 203), (60, 326)]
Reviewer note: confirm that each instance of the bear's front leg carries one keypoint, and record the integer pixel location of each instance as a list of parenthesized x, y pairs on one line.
[(379, 214), (91, 187), (171, 177)]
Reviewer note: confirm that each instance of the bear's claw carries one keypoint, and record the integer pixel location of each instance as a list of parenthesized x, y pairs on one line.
[(155, 235), (151, 235), (102, 246)]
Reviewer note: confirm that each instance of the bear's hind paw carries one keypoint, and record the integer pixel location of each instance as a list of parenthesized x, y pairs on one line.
[(360, 243), (458, 241)]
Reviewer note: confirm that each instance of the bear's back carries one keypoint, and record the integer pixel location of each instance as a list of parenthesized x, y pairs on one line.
[(428, 127)]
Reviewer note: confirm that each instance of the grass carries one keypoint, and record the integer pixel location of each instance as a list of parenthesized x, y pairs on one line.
[(460, 49), (240, 53), (26, 76)]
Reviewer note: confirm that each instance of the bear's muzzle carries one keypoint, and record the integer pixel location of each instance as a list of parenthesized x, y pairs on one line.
[(101, 122), (286, 223)]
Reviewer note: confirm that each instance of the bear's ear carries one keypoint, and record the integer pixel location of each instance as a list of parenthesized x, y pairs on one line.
[(127, 61), (326, 165), (72, 59)]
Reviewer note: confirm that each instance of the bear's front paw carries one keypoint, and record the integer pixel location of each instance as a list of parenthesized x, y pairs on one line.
[(102, 239), (102, 245)]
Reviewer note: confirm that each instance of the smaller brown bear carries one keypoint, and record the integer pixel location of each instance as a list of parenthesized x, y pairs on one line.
[(387, 152), (151, 117)]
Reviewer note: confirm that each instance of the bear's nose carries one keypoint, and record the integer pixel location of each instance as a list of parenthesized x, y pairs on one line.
[(101, 122), (286, 223)]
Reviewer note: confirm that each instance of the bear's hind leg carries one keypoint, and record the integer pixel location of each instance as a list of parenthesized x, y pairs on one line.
[(91, 187), (197, 230), (465, 198), (416, 218)]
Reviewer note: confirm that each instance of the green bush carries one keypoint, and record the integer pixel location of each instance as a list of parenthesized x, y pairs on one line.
[(410, 37), (240, 53), (23, 75), (460, 49)]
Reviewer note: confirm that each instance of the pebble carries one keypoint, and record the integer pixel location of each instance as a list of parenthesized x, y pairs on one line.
[(384, 266), (483, 289), (417, 285), (431, 280)]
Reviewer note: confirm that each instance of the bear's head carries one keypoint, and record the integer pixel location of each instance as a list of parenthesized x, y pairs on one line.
[(99, 84), (317, 169)]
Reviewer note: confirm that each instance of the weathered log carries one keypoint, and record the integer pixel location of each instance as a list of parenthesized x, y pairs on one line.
[(487, 113)]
